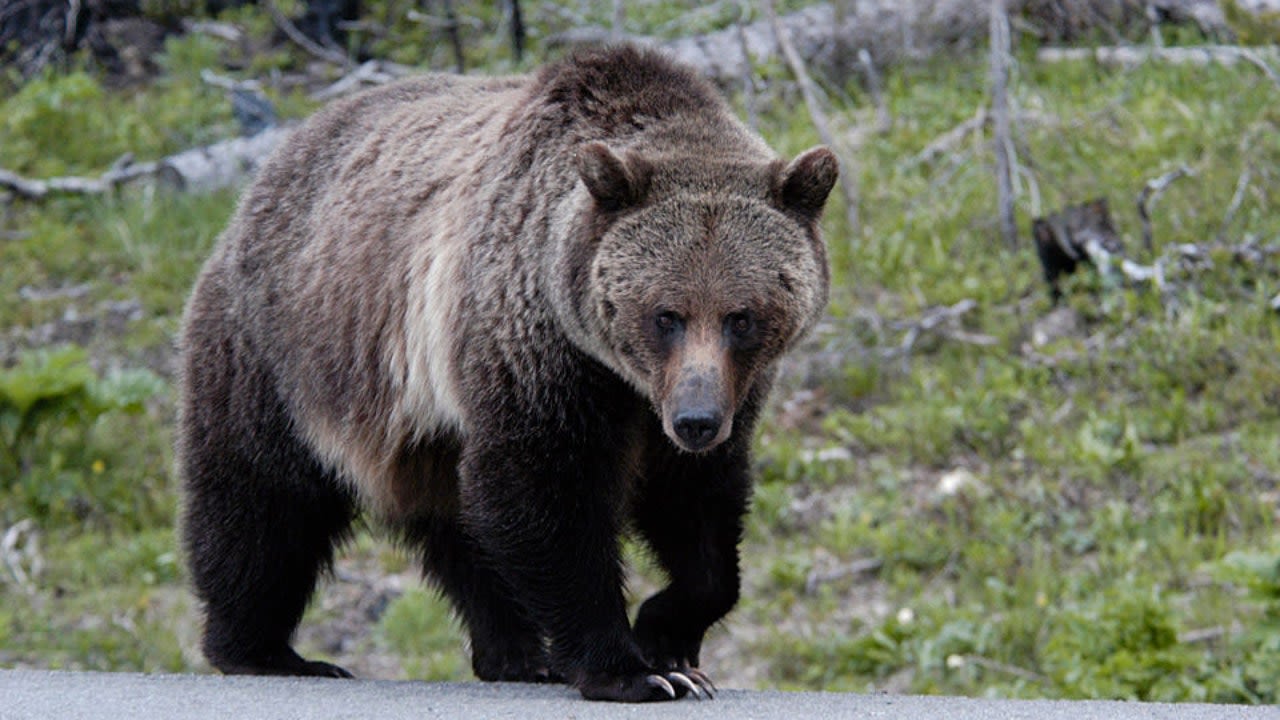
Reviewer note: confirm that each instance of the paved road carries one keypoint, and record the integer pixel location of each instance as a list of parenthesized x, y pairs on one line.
[(28, 695)]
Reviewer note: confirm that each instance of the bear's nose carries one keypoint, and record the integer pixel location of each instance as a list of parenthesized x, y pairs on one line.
[(697, 428)]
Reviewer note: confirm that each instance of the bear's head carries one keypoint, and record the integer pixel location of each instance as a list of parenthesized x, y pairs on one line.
[(700, 275)]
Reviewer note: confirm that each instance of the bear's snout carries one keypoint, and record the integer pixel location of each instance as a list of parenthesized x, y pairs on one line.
[(698, 415)]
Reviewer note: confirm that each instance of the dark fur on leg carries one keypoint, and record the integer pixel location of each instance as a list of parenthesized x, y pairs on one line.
[(542, 492), (261, 517), (505, 644)]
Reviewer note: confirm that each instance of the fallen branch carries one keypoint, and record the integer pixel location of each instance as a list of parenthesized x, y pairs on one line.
[(989, 664), (945, 143), (943, 320), (231, 84), (220, 30), (1188, 256), (439, 23), (39, 189), (1131, 56), (1203, 635), (372, 72), (817, 579)]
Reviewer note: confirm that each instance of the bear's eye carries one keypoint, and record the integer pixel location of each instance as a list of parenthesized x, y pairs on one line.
[(667, 322), (740, 324)]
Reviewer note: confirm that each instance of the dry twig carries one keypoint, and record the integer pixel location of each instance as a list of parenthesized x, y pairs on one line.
[(1237, 198), (944, 143), (299, 38), (989, 664), (210, 77), (1151, 191), (817, 579)]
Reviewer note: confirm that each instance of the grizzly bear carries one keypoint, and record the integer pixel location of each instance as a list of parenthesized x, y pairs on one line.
[(510, 319)]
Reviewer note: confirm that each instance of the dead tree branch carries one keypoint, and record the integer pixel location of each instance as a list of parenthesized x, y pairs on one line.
[(1237, 198), (223, 31), (28, 189), (1151, 191), (884, 120), (946, 142), (372, 72), (299, 38), (1002, 142), (455, 37), (942, 319), (748, 71), (1132, 56), (808, 90)]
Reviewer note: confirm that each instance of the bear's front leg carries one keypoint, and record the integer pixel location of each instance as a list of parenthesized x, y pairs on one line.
[(690, 510), (544, 504)]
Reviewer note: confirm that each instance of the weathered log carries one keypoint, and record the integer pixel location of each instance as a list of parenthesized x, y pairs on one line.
[(889, 30), (1130, 56), (223, 164)]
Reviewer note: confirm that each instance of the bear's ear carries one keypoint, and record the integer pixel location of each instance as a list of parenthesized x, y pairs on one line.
[(804, 185), (615, 183)]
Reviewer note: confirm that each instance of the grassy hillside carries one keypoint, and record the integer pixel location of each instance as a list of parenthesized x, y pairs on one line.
[(1021, 501)]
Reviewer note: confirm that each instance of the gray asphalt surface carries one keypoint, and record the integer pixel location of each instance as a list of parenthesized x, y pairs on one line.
[(119, 696)]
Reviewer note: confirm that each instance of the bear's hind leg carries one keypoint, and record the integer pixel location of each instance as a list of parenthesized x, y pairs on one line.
[(261, 521), (257, 548), (505, 644)]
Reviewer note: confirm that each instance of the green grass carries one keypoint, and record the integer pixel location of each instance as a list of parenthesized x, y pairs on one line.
[(1110, 530)]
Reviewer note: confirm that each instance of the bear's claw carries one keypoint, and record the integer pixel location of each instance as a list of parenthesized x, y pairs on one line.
[(657, 681), (682, 679), (703, 681), (676, 682)]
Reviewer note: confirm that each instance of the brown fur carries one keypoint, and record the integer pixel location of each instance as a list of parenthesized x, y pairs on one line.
[(430, 271)]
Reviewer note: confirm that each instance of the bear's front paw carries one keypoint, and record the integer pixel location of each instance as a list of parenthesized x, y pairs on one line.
[(647, 687), (669, 644)]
